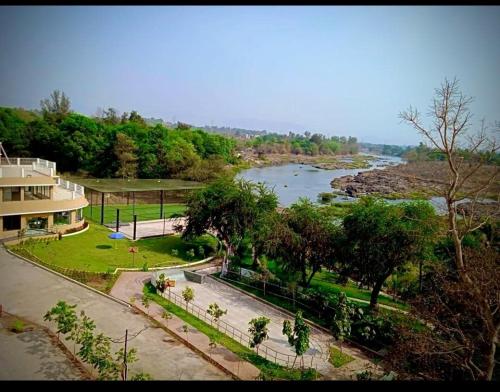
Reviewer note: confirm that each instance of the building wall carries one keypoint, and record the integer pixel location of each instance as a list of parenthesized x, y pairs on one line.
[(50, 224)]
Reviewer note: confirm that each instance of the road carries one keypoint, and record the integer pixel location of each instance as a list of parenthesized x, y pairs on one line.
[(29, 291)]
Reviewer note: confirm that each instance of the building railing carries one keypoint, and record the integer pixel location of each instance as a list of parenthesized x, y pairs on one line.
[(244, 339), (41, 166), (77, 190)]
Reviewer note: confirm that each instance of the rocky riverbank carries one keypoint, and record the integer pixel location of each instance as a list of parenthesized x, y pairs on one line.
[(416, 180), (390, 183)]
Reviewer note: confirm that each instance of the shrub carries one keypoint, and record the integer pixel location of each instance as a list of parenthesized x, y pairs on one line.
[(190, 253), (201, 251), (175, 252), (18, 326), (145, 267)]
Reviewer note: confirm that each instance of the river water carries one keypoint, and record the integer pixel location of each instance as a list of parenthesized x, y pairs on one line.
[(293, 181)]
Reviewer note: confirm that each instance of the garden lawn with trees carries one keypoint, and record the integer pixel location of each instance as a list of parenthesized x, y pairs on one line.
[(93, 251)]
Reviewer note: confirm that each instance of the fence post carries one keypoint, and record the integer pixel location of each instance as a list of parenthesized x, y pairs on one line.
[(135, 226), (117, 220)]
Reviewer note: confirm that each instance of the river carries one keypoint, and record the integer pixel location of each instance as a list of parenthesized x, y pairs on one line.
[(293, 181)]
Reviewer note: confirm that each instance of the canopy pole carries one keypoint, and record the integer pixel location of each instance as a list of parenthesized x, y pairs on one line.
[(135, 226), (102, 208), (161, 204), (117, 220)]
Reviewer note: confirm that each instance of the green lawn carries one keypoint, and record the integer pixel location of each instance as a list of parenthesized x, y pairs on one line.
[(143, 212), (326, 281), (93, 251), (269, 369), (338, 358)]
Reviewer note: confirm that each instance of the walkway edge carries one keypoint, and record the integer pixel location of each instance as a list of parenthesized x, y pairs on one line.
[(186, 343), (320, 327), (69, 279)]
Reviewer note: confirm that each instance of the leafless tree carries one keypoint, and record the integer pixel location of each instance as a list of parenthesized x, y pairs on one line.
[(450, 133)]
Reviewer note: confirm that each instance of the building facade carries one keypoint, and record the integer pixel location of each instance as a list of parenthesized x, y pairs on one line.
[(35, 201)]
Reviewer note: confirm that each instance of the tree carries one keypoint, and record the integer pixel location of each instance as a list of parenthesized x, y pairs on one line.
[(230, 208), (456, 345), (185, 328), (145, 302), (166, 316), (111, 116), (188, 295), (379, 237), (449, 132), (303, 240), (94, 349), (342, 318), (125, 152), (298, 337), (161, 283), (258, 330), (55, 108), (216, 312), (64, 315)]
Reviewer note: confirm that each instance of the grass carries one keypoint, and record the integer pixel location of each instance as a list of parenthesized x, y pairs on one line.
[(93, 251), (338, 358), (269, 369), (325, 281), (143, 212)]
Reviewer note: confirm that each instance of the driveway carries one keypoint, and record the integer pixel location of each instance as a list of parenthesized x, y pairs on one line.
[(29, 291)]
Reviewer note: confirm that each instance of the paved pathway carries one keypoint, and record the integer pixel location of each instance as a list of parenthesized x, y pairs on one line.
[(41, 359), (130, 284), (29, 291), (242, 308)]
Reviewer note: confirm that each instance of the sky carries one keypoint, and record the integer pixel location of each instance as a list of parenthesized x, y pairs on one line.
[(337, 70)]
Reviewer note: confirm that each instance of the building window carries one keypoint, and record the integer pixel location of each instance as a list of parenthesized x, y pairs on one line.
[(12, 193), (12, 222), (36, 192), (38, 223), (62, 218), (79, 215)]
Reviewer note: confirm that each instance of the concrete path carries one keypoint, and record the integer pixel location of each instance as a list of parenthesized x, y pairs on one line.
[(32, 355), (242, 308), (29, 291), (130, 284), (151, 228)]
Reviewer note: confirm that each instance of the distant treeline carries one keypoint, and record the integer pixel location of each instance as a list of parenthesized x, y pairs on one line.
[(425, 153), (112, 145), (385, 149), (308, 144)]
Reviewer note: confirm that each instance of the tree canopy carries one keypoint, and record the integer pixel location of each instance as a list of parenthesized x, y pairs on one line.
[(380, 237)]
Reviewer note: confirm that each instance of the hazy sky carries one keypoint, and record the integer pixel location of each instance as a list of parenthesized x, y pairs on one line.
[(336, 70)]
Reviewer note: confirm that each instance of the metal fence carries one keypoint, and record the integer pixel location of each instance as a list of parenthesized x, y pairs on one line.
[(241, 337), (280, 290)]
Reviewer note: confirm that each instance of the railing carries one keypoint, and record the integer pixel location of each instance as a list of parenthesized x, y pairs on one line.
[(244, 339), (42, 166), (72, 187)]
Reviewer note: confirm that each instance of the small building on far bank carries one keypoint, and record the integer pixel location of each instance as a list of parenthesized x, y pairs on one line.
[(35, 200)]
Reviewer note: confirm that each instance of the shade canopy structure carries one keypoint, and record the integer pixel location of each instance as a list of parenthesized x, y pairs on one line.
[(112, 185), (118, 191)]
